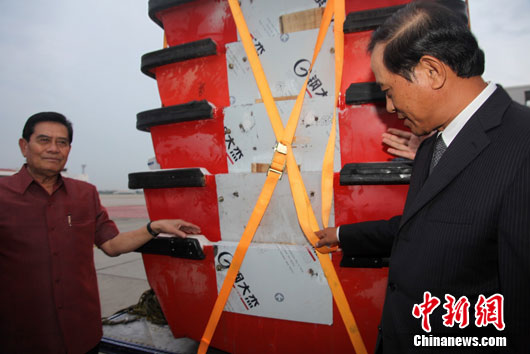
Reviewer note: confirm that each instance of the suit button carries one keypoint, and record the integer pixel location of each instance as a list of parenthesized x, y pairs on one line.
[(392, 286)]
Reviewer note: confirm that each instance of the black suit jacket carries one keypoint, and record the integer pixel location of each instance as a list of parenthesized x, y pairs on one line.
[(465, 231)]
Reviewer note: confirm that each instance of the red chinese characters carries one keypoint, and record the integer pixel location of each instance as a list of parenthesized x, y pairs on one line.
[(425, 309), (456, 312), (490, 311), (487, 311)]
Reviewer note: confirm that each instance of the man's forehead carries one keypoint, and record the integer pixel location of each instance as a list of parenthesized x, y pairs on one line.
[(376, 63), (50, 129)]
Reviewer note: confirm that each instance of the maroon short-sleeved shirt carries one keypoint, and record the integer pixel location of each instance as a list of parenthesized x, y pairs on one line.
[(49, 299)]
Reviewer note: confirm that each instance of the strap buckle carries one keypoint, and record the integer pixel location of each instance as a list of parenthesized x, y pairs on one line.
[(275, 171), (281, 149)]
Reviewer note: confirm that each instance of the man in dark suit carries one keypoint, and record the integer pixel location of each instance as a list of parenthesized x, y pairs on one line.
[(465, 228)]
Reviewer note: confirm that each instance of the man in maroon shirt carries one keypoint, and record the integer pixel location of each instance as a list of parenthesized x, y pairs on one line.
[(49, 300)]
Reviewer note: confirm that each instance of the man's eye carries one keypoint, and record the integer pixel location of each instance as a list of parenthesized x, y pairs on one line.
[(44, 140), (62, 143)]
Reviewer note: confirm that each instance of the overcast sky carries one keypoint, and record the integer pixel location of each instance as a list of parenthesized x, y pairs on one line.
[(82, 58)]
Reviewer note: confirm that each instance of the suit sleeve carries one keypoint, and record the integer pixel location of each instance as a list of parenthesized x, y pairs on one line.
[(514, 258), (369, 238)]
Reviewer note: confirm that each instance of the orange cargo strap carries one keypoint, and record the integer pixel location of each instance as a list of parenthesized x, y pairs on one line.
[(283, 154)]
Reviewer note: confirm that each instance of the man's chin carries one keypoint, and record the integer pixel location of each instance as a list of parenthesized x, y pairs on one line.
[(53, 166), (415, 129)]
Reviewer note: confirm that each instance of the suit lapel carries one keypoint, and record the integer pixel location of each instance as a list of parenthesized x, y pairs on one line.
[(466, 146)]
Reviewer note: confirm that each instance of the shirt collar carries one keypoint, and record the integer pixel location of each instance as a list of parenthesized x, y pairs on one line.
[(451, 131), (25, 180)]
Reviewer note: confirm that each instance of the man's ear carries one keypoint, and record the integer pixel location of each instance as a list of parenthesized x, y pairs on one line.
[(23, 145), (435, 70)]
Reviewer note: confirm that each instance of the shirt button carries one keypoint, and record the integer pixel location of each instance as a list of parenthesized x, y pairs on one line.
[(392, 286)]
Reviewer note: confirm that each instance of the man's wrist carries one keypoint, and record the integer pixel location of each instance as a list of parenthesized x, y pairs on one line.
[(151, 231)]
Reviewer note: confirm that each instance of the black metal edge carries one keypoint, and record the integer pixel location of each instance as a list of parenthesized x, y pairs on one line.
[(182, 52), (459, 7), (364, 262), (376, 173), (173, 178), (364, 92), (155, 6), (368, 19), (373, 18), (114, 346), (188, 248), (194, 110)]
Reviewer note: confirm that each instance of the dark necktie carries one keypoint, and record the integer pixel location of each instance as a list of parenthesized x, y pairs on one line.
[(439, 149)]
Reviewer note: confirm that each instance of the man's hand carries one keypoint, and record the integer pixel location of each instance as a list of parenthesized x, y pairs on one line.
[(175, 227), (129, 241), (402, 143), (328, 237)]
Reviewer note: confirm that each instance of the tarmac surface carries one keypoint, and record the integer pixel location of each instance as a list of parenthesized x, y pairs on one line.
[(122, 281)]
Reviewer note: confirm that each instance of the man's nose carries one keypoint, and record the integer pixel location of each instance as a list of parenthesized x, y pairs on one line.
[(53, 146), (390, 106)]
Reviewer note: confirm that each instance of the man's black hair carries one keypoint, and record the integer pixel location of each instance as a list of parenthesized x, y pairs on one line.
[(428, 28), (29, 127)]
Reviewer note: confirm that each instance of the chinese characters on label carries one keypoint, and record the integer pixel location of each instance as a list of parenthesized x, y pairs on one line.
[(260, 49), (314, 84), (246, 294), (487, 311), (233, 151), (248, 299)]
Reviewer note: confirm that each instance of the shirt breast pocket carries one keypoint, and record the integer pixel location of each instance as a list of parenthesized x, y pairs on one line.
[(82, 230)]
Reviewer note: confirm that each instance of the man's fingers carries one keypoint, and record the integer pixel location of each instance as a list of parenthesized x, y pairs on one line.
[(188, 224), (402, 153), (190, 229), (402, 133), (180, 233), (395, 139), (394, 144)]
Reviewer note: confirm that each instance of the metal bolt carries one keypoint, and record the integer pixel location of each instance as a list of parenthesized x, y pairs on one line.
[(221, 199), (332, 50), (230, 66), (244, 59)]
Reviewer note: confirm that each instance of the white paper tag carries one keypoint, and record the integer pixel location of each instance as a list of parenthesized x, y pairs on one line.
[(277, 281)]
